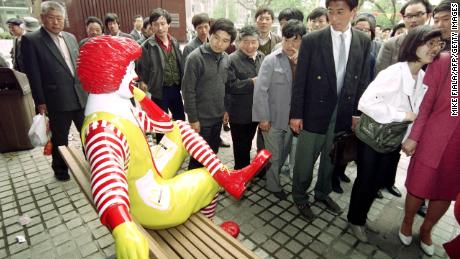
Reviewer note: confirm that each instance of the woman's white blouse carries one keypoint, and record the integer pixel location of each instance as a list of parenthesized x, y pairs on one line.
[(386, 98)]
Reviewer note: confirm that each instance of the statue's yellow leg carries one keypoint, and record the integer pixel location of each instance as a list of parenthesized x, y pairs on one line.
[(169, 154), (166, 199), (162, 203)]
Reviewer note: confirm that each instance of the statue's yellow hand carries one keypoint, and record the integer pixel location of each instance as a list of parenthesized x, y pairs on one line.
[(129, 242)]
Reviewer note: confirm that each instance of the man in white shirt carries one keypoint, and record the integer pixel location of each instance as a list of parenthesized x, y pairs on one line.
[(334, 65)]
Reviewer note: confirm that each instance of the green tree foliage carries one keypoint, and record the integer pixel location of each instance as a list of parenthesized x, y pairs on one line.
[(278, 5), (302, 5), (253, 5), (5, 35), (385, 11), (225, 9)]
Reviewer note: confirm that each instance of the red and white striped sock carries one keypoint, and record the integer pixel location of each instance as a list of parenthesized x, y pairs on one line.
[(197, 147), (210, 210)]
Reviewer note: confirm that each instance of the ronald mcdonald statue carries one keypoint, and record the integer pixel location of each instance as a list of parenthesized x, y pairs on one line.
[(128, 178)]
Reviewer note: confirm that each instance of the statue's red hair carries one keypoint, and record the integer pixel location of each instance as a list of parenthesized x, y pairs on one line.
[(103, 60)]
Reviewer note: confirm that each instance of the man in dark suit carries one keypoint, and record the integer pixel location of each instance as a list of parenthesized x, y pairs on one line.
[(333, 72), (136, 33), (112, 23), (14, 26), (51, 61)]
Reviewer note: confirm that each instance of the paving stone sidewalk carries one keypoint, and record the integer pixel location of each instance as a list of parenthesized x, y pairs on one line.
[(63, 224)]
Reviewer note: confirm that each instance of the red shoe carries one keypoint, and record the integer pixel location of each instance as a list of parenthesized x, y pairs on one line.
[(231, 227), (234, 181)]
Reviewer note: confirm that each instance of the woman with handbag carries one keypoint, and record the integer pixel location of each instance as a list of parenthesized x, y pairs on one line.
[(389, 105), (434, 144)]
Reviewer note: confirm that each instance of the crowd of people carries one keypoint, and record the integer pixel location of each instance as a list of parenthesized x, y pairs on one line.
[(294, 92)]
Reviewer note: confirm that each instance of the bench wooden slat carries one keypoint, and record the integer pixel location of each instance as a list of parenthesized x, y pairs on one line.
[(197, 242), (201, 233), (222, 237), (179, 248), (198, 237), (165, 246), (191, 247)]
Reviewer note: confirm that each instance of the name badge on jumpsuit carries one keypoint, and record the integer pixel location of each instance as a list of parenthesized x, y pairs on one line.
[(152, 193)]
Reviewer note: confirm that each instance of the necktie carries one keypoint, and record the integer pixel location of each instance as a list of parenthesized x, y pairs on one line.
[(65, 54), (341, 64)]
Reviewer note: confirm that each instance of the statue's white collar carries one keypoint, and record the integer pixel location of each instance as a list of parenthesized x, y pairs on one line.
[(110, 103)]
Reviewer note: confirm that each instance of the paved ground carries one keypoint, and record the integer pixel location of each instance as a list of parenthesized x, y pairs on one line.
[(64, 225)]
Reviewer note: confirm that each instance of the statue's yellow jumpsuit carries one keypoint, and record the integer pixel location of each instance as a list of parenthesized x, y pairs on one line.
[(156, 199)]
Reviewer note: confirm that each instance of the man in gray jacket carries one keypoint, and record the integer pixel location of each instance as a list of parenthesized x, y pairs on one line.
[(272, 101), (203, 84)]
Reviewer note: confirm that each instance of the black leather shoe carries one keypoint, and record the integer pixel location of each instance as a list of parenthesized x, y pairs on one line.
[(344, 178), (422, 210), (62, 177), (280, 195), (331, 205), (393, 190), (379, 194), (337, 188), (306, 212)]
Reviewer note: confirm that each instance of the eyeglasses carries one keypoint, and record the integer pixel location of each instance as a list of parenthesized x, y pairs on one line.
[(416, 15), (434, 43)]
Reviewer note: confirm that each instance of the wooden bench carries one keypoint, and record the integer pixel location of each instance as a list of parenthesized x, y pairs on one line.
[(199, 237)]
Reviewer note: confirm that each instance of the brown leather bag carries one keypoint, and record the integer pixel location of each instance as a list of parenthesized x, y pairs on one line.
[(344, 149)]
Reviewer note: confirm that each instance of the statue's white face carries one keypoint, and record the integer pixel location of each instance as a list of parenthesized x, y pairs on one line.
[(124, 90)]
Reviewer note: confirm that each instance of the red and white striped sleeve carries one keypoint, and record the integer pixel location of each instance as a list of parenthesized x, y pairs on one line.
[(151, 125), (108, 154)]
